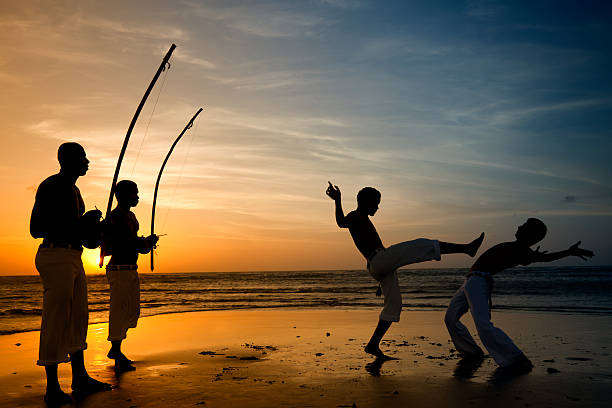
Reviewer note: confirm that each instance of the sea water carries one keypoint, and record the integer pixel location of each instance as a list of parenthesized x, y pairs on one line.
[(586, 290)]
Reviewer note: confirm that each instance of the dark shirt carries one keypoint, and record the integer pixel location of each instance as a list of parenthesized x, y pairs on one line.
[(503, 256), (363, 232), (121, 239), (57, 209)]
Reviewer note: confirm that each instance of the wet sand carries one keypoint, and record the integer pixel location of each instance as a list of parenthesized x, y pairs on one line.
[(312, 358)]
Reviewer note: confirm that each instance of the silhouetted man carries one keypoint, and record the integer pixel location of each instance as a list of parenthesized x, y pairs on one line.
[(475, 295), (382, 263), (122, 242), (58, 217)]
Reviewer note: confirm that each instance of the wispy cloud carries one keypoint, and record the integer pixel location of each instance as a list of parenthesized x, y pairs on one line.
[(268, 79), (185, 56), (128, 29), (394, 46), (484, 9), (61, 36), (273, 126), (513, 115), (344, 4), (268, 20)]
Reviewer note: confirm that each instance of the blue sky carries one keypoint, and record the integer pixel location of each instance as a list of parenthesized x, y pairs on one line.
[(468, 116)]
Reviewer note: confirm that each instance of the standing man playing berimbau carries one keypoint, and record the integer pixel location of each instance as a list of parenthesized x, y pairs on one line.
[(122, 242), (59, 218)]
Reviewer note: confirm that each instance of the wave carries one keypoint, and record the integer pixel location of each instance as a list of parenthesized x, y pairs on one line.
[(537, 289), (21, 312), (15, 331)]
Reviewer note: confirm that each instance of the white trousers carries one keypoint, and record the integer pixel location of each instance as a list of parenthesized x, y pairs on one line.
[(383, 267), (63, 329), (474, 295), (124, 302)]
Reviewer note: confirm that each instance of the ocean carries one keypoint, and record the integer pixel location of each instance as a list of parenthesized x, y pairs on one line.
[(582, 290)]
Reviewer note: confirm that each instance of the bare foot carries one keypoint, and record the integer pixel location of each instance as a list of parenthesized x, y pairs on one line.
[(377, 352), (123, 366), (88, 385), (473, 246), (118, 356), (57, 398)]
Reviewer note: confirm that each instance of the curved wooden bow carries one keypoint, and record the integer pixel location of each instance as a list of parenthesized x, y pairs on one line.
[(188, 126), (161, 68)]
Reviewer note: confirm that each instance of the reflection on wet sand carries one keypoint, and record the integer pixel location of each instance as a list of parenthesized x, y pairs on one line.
[(316, 358)]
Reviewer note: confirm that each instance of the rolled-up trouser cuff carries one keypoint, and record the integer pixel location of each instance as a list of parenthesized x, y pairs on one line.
[(71, 350), (392, 307), (50, 363), (389, 318)]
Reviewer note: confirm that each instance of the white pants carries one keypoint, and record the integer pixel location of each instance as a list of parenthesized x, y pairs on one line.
[(383, 267), (63, 329), (474, 295), (124, 302)]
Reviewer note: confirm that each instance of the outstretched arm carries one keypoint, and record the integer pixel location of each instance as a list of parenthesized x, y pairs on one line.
[(574, 250), (334, 193)]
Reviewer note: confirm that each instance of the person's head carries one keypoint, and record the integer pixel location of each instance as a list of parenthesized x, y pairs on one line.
[(531, 232), (72, 159), (126, 192), (368, 199)]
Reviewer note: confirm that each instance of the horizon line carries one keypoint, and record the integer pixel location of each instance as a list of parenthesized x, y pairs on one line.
[(338, 270)]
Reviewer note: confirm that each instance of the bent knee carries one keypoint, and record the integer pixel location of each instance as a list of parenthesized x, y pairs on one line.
[(450, 318), (484, 325)]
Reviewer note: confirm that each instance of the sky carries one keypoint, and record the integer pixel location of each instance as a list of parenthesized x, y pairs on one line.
[(468, 116)]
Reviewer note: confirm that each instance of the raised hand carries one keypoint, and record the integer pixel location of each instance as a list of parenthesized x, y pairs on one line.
[(333, 192), (580, 252)]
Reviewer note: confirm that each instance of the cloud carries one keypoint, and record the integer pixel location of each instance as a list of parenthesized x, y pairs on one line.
[(55, 52), (262, 19), (392, 47), (184, 56), (327, 122), (513, 115), (278, 127), (131, 29), (343, 4), (484, 9), (74, 37), (269, 79)]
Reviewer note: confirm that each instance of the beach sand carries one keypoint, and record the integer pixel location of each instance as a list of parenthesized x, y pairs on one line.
[(315, 358)]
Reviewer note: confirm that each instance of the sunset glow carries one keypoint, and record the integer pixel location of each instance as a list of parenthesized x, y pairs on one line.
[(461, 131)]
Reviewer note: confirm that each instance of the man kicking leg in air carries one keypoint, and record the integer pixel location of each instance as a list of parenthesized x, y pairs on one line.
[(382, 263)]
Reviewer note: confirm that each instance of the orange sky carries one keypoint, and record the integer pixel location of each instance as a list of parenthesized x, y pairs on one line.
[(286, 109)]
